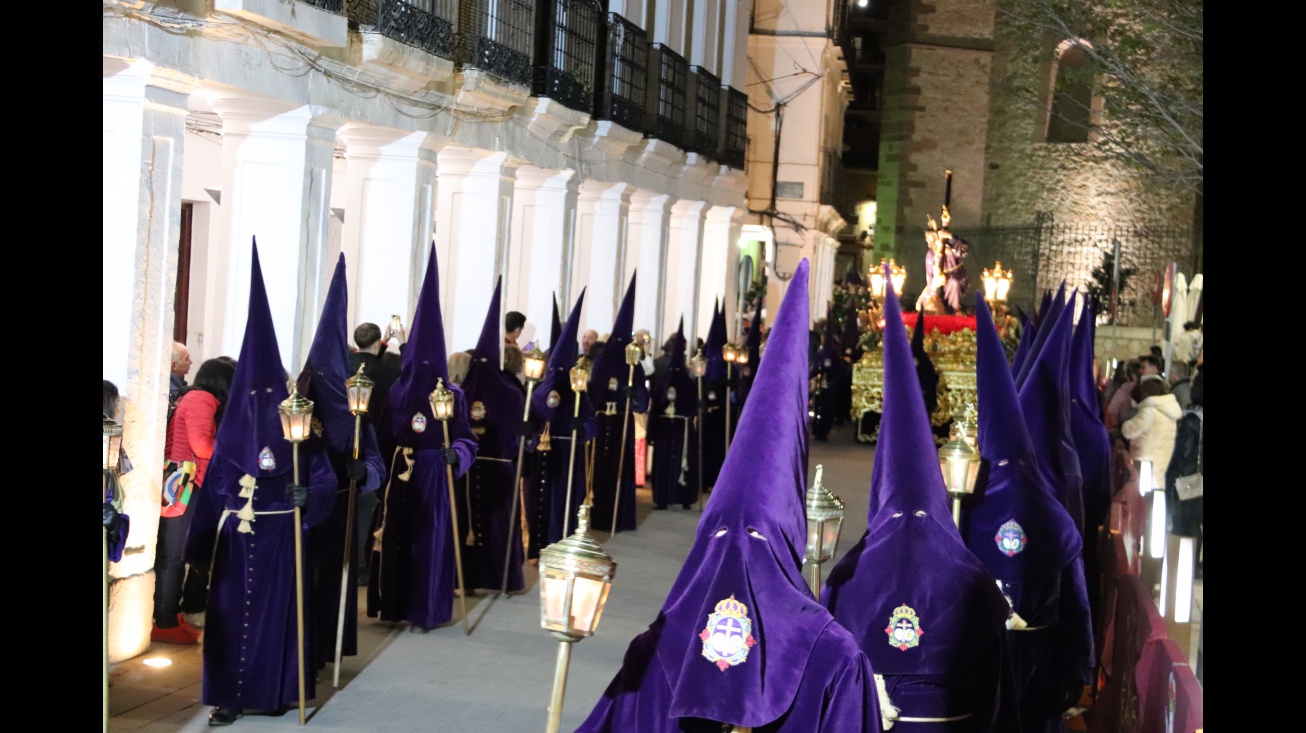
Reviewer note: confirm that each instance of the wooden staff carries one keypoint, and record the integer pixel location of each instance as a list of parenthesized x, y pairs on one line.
[(621, 456), (299, 586), (516, 485), (349, 547), (446, 396)]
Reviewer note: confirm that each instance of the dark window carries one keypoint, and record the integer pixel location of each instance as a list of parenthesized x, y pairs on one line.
[(1072, 97)]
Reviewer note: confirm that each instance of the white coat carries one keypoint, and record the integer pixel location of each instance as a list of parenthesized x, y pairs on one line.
[(1151, 433)]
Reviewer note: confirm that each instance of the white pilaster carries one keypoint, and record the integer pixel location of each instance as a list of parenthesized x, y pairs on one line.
[(390, 205), (143, 132), (720, 232), (684, 252), (474, 196), (601, 213), (539, 256), (646, 249), (277, 169), (823, 266), (734, 38)]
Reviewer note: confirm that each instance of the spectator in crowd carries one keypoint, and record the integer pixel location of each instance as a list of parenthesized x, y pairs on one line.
[(1188, 344), (1151, 431), (459, 361), (180, 593), (587, 340), (1186, 460), (1119, 404), (513, 323), (1150, 364), (1180, 385), (180, 368)]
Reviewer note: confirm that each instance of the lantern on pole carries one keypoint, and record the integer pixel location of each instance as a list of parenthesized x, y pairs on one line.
[(960, 463), (358, 391), (112, 449), (442, 407), (580, 377), (698, 368), (533, 369), (575, 577), (296, 419), (824, 518)]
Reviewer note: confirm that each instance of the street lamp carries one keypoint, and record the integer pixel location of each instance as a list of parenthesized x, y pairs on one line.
[(575, 577), (112, 449), (824, 519), (442, 408), (358, 390), (533, 369), (960, 464), (296, 421), (580, 377)]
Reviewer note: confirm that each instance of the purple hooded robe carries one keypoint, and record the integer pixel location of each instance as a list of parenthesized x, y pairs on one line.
[(674, 404), (740, 640), (244, 525)]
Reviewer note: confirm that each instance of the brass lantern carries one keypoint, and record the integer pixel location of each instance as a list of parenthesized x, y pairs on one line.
[(898, 275), (996, 283), (533, 366), (960, 464), (741, 354), (877, 280), (729, 353), (296, 416), (580, 375), (442, 402), (112, 443), (359, 389), (698, 365), (634, 354), (575, 577), (824, 519)]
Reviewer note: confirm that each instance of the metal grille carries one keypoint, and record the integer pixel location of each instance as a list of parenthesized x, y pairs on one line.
[(331, 6), (426, 24), (567, 52), (667, 110), (736, 128), (1045, 252), (707, 111), (495, 37), (623, 81)]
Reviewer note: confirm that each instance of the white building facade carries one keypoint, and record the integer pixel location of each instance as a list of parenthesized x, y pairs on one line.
[(551, 143)]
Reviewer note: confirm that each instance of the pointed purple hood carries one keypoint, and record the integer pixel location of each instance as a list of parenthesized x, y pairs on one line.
[(557, 378), (611, 360), (1046, 320), (676, 376), (250, 435), (327, 367), (495, 399), (713, 347), (1083, 383), (424, 363), (747, 554), (911, 563), (555, 324), (1045, 402), (1019, 528)]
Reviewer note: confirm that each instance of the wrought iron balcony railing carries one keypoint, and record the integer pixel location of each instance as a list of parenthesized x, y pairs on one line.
[(734, 128), (705, 139), (495, 36), (331, 6), (667, 96), (426, 24), (623, 74), (566, 51)]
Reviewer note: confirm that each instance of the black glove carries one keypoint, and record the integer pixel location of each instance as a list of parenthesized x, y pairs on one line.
[(627, 392), (355, 470), (450, 457), (298, 495), (112, 519)]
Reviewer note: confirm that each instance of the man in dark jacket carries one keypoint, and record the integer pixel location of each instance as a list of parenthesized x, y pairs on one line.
[(370, 348)]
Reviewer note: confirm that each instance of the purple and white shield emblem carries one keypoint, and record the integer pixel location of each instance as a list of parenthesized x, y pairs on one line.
[(1010, 538)]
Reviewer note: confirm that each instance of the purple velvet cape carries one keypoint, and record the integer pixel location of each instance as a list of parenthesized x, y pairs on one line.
[(326, 367), (609, 365), (497, 403), (803, 672), (1043, 577), (413, 578), (675, 442), (546, 493), (250, 639), (912, 555)]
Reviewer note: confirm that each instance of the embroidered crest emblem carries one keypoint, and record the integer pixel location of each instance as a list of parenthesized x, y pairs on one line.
[(1010, 538), (671, 394), (904, 628), (266, 461), (553, 399), (478, 410), (728, 635), (419, 423), (316, 426), (613, 386)]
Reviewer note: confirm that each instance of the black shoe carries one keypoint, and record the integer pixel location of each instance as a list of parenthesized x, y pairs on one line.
[(224, 716)]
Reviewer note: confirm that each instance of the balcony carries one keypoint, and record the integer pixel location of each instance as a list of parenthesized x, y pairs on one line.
[(331, 6), (566, 48), (623, 75), (424, 24), (706, 92), (495, 36), (667, 96), (734, 128)]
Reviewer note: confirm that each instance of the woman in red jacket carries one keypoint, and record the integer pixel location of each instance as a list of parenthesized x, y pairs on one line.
[(177, 591)]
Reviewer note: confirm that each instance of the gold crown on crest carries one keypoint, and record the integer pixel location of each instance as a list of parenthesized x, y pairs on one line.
[(731, 607)]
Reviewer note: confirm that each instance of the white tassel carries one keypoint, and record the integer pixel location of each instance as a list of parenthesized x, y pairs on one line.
[(247, 487), (888, 713), (408, 458), (246, 513), (1015, 622)]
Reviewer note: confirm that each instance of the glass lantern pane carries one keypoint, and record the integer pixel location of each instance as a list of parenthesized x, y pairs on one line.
[(831, 539), (955, 474), (972, 475), (585, 604), (553, 597)]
